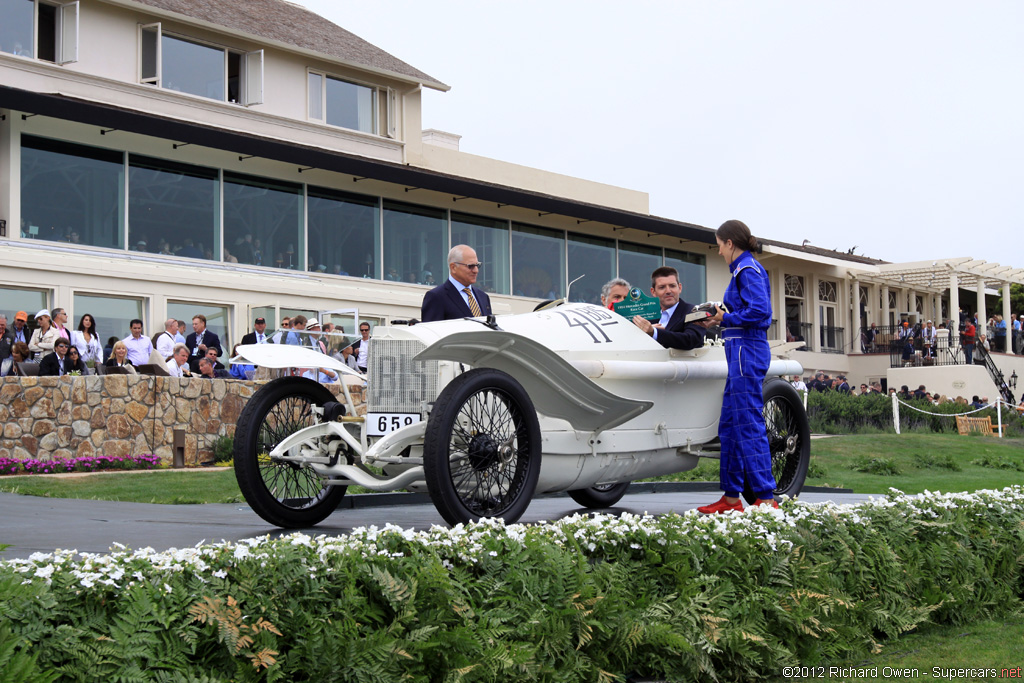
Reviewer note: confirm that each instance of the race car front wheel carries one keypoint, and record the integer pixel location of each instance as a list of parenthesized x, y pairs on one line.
[(285, 494), (789, 438), (481, 451)]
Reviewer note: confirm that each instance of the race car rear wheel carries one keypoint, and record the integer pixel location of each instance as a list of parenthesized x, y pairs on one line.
[(789, 438), (481, 451), (600, 496), (284, 494)]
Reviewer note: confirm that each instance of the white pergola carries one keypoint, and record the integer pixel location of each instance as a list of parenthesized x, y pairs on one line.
[(954, 273)]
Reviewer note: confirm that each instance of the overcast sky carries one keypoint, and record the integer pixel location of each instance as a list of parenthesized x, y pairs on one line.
[(892, 127)]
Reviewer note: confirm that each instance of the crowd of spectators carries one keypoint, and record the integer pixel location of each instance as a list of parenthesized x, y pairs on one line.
[(47, 347), (822, 382)]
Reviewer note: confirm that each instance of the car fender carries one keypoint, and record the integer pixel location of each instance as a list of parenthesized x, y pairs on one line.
[(556, 387)]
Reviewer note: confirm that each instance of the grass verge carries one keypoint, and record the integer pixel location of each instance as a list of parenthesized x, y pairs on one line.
[(912, 463), (865, 463), (992, 644)]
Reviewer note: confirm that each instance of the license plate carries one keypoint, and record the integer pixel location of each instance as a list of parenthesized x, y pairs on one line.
[(379, 424)]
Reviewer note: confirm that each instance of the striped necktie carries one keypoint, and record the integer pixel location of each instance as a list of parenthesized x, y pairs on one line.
[(474, 307)]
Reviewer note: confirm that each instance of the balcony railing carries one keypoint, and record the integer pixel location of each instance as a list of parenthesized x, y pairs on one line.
[(832, 339), (801, 332)]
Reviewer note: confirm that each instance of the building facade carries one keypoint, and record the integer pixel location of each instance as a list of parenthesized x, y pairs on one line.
[(245, 158)]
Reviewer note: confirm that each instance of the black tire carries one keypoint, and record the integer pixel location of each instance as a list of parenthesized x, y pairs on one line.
[(481, 451), (283, 494), (789, 438), (601, 496)]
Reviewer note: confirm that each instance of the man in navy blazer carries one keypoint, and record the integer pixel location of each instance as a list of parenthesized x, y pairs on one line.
[(200, 340), (450, 300), (672, 331)]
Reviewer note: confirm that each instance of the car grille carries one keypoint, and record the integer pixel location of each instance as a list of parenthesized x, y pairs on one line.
[(397, 383)]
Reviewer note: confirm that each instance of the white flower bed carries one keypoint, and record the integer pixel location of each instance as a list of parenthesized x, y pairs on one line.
[(595, 535)]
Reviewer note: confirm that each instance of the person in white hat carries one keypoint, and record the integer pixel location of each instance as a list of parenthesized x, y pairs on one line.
[(44, 336), (313, 327)]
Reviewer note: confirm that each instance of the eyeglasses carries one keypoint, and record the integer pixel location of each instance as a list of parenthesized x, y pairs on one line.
[(471, 266)]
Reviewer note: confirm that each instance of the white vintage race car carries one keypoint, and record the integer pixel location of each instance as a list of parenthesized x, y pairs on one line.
[(484, 413)]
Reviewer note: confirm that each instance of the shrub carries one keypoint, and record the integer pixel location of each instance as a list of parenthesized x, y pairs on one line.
[(882, 466), (223, 449), (834, 413), (589, 598)]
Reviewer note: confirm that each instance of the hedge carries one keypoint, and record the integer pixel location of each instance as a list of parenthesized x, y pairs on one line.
[(588, 598)]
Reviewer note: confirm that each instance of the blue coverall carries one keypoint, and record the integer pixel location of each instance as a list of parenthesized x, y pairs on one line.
[(746, 458)]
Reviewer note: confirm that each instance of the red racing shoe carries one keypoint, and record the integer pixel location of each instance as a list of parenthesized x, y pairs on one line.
[(720, 506), (771, 502)]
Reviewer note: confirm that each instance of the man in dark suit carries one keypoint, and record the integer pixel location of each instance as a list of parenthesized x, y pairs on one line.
[(257, 337), (56, 364), (672, 331), (457, 297), (200, 340)]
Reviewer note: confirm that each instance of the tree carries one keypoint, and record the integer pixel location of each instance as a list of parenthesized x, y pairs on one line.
[(1016, 300)]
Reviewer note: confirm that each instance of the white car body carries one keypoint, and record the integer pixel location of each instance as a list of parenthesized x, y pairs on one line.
[(613, 405)]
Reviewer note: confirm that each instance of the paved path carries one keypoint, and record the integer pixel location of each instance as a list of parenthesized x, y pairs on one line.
[(31, 524)]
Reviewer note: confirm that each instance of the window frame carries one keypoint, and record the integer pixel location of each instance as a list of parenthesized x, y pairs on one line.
[(251, 65), (380, 97)]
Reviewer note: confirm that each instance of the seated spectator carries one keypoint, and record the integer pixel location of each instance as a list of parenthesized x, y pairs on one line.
[(976, 402), (73, 362), (920, 392), (211, 355), (321, 375), (57, 363), (177, 364), (241, 370), (207, 371), (904, 393), (19, 354), (119, 358), (44, 336)]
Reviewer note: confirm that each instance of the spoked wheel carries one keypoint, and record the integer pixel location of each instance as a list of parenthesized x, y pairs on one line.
[(284, 494), (600, 496), (789, 438), (481, 451)]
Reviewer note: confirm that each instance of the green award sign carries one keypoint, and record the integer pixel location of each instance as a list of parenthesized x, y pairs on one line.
[(638, 303)]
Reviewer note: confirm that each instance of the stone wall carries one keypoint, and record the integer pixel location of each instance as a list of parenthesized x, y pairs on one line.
[(64, 417)]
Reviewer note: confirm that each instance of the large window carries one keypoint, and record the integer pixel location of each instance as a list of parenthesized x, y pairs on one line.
[(112, 315), (14, 299), (593, 258), (415, 242), (692, 274), (636, 263), (262, 222), (343, 232), (177, 63), (89, 183), (53, 38), (538, 258), (172, 208), (217, 320), (342, 103), (489, 238)]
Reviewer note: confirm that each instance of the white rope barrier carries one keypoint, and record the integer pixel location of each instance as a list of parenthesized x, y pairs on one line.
[(897, 402)]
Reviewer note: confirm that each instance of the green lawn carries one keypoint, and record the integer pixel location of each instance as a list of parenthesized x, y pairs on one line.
[(911, 463), (176, 487), (984, 645)]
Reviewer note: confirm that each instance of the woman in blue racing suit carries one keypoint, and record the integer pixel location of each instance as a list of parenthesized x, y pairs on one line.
[(746, 458)]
